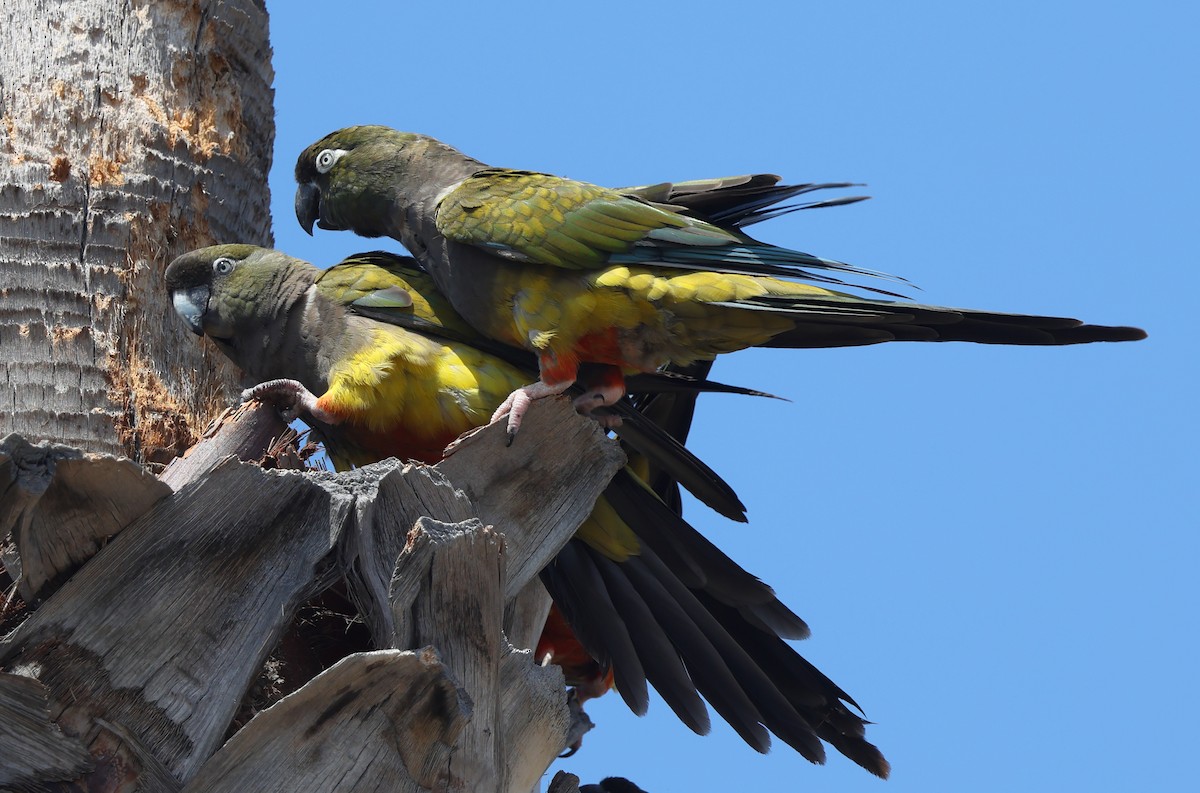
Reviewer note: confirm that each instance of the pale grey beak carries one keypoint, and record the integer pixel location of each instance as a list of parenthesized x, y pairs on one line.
[(190, 304)]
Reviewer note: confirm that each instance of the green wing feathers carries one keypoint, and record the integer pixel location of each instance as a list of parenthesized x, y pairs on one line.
[(541, 218), (394, 289)]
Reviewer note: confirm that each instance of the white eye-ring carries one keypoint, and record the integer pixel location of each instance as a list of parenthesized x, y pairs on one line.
[(223, 266), (327, 158)]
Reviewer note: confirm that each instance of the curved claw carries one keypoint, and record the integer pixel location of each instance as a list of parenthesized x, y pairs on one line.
[(292, 399), (518, 402), (580, 723), (588, 403), (597, 397)]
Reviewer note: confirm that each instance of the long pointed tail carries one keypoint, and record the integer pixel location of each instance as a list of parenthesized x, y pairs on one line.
[(845, 320)]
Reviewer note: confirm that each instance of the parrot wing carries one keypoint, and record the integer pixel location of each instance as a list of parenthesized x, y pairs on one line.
[(688, 620), (535, 217), (737, 201)]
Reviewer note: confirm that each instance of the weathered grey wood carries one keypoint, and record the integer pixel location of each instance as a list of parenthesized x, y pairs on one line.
[(132, 132), (535, 721), (33, 748), (163, 631), (380, 721), (246, 432), (459, 609), (148, 649), (526, 614), (537, 484), (403, 495), (448, 588), (534, 497), (43, 493), (410, 578), (449, 584)]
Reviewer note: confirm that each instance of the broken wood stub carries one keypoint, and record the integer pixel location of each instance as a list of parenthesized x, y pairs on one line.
[(246, 432), (141, 658), (59, 505), (165, 628), (32, 746), (384, 720)]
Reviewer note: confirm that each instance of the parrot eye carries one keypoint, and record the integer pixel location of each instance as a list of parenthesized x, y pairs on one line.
[(327, 158), (223, 266)]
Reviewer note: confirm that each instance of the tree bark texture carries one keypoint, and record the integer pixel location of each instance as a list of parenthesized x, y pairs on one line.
[(131, 674), (130, 131)]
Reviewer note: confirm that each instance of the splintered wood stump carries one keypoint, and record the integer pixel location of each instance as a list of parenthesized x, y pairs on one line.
[(129, 675)]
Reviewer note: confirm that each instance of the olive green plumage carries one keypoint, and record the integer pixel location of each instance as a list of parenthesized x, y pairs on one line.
[(575, 272), (398, 375)]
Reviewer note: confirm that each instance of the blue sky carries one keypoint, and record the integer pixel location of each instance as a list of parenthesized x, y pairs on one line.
[(995, 547)]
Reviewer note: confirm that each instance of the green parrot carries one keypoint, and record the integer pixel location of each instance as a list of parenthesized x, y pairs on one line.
[(396, 373), (578, 273)]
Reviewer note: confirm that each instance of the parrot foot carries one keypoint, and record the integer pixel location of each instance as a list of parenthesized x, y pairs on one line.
[(598, 397), (580, 723), (518, 402), (292, 399), (603, 386)]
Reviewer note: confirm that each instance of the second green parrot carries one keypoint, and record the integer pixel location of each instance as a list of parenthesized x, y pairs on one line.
[(368, 350)]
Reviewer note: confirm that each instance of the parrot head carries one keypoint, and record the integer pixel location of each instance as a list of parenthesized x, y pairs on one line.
[(231, 291), (345, 179)]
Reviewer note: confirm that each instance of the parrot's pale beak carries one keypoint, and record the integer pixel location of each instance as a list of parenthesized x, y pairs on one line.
[(190, 304), (308, 205)]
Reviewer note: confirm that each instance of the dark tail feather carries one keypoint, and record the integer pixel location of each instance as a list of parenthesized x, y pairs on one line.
[(674, 462), (669, 404), (701, 626), (655, 423), (992, 332), (673, 413), (848, 321), (694, 560), (577, 588), (738, 201), (818, 699)]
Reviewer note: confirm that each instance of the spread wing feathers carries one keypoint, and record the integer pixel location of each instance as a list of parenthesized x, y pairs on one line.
[(541, 218), (738, 201), (690, 643), (697, 562), (797, 679), (845, 320)]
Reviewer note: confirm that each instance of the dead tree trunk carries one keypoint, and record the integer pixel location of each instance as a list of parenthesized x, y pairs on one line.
[(130, 674), (131, 132)]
